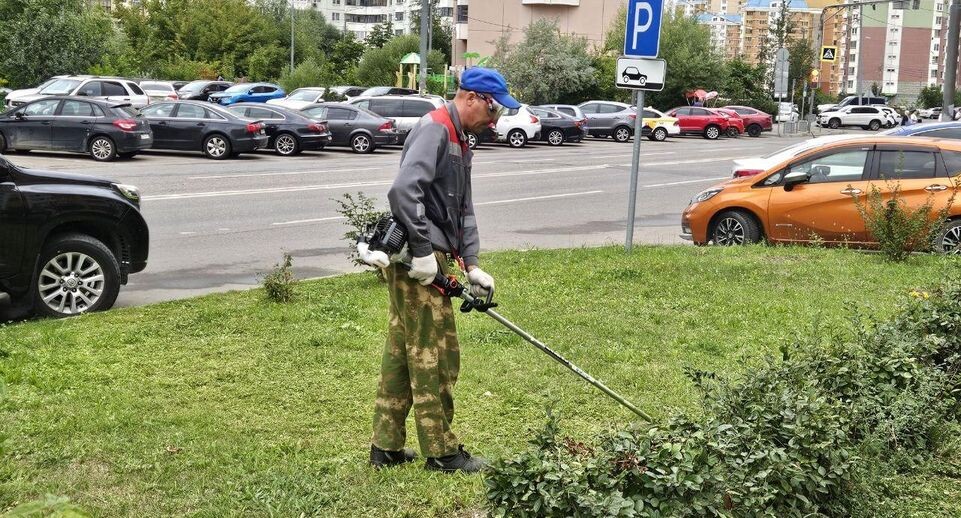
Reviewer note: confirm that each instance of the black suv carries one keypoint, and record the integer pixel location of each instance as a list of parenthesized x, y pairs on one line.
[(68, 241)]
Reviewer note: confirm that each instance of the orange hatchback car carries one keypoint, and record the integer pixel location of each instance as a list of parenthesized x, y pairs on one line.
[(809, 196)]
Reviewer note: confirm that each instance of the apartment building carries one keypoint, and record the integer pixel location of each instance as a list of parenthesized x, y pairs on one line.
[(479, 24), (725, 32), (361, 16)]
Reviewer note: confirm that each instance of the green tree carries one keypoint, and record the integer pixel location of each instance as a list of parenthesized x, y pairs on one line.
[(800, 64), (309, 73), (42, 38), (441, 32), (546, 65), (379, 66), (929, 97), (380, 35), (344, 57), (744, 84)]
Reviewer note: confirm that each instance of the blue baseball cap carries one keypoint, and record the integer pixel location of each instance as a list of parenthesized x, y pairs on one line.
[(488, 81)]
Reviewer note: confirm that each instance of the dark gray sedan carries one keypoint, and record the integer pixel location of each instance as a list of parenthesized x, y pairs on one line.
[(289, 131), (360, 129)]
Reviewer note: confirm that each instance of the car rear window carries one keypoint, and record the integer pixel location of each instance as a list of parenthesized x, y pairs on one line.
[(907, 165), (417, 108), (126, 111), (952, 161), (155, 85), (387, 107), (135, 88)]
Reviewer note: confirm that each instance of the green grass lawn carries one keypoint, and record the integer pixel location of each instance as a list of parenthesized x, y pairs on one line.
[(231, 405)]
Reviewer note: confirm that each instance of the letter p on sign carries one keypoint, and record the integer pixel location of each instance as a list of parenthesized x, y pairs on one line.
[(642, 38)]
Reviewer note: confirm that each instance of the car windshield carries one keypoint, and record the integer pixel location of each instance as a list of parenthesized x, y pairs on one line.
[(127, 111), (377, 90), (60, 87), (238, 88), (154, 85), (304, 95)]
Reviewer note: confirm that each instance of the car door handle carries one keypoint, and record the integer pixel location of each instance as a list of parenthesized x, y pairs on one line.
[(201, 124), (936, 188), (86, 123), (851, 191), (162, 123), (348, 124), (45, 123)]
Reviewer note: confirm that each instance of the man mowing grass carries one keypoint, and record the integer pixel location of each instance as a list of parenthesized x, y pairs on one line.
[(431, 197)]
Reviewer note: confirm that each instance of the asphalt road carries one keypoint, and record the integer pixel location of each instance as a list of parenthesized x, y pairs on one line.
[(219, 225)]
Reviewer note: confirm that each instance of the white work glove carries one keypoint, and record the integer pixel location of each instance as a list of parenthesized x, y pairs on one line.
[(423, 269), (372, 257), (481, 283)]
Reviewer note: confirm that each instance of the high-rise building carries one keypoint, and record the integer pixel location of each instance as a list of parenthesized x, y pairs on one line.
[(361, 16), (479, 24)]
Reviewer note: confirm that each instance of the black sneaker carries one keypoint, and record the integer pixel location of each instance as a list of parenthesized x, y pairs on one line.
[(460, 461), (385, 458)]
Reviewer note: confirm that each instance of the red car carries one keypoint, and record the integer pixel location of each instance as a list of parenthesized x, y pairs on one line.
[(755, 121), (695, 120), (735, 122)]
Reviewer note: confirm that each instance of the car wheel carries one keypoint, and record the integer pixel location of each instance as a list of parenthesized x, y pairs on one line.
[(732, 132), (875, 125), (286, 144), (471, 140), (555, 137), (217, 147), (361, 143), (659, 135), (712, 132), (622, 134), (77, 274), (950, 242), (3, 143), (102, 149), (834, 123), (517, 138), (735, 228), (754, 130)]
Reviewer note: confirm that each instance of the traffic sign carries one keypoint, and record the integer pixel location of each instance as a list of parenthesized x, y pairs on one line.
[(643, 30), (829, 54), (641, 74), (781, 72)]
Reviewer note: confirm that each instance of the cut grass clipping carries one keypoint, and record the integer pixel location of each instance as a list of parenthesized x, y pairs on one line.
[(228, 405)]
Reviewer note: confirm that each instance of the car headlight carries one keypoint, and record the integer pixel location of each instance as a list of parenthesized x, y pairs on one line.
[(128, 191), (706, 195)]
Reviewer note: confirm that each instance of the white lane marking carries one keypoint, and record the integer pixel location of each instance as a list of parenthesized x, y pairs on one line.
[(284, 173), (315, 220), (351, 185), (532, 198), (682, 162), (187, 233), (656, 185), (631, 154)]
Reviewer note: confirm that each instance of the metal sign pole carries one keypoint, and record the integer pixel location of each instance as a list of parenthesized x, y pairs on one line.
[(635, 161)]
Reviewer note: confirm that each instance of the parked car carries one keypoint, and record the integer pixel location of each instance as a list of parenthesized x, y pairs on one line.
[(568, 109), (755, 120), (288, 131), (69, 241), (198, 126), (891, 117), (358, 128), (853, 100), (179, 84), (787, 112), (18, 95), (735, 125), (300, 98), (658, 126), (517, 126), (757, 165), (695, 120), (936, 112), (102, 129), (248, 92), (867, 117), (113, 89), (557, 128), (809, 197), (405, 110), (489, 134), (925, 113), (376, 91), (201, 90), (951, 130), (160, 90), (348, 92), (609, 119)]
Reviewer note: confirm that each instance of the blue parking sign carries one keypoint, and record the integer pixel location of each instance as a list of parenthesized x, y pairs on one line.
[(643, 36)]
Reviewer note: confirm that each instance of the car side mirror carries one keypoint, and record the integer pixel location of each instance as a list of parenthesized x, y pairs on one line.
[(82, 93), (20, 116), (794, 178)]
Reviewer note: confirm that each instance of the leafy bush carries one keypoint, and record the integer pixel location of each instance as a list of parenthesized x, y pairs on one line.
[(808, 435), (899, 229), (279, 283), (361, 213), (308, 73)]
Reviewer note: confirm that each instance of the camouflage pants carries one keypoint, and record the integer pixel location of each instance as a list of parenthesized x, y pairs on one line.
[(419, 368)]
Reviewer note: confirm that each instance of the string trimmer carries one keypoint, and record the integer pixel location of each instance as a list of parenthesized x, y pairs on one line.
[(390, 237)]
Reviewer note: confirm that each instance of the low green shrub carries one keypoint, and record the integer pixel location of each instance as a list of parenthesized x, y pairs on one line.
[(808, 434), (279, 283)]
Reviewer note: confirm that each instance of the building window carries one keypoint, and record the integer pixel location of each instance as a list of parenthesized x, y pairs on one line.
[(335, 16), (934, 60), (399, 16), (398, 32), (891, 70), (937, 47), (366, 18), (937, 21), (934, 73), (851, 84), (851, 70), (461, 14)]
